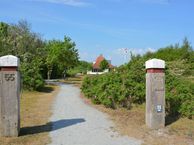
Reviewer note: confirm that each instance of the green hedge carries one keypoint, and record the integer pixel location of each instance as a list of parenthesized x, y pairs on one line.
[(117, 89), (126, 86)]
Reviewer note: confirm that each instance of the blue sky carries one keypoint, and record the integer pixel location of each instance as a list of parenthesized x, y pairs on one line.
[(107, 26)]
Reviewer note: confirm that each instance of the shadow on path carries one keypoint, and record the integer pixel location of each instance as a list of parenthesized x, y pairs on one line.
[(51, 126), (46, 89), (169, 119)]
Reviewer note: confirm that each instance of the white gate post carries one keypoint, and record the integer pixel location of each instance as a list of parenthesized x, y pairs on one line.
[(155, 93), (9, 96)]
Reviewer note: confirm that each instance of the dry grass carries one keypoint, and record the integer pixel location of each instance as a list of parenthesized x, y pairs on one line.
[(77, 81), (35, 112), (132, 123)]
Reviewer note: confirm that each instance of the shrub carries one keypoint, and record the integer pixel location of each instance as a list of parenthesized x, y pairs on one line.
[(115, 89), (127, 85), (31, 77)]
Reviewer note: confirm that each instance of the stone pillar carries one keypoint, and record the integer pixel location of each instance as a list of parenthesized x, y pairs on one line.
[(155, 93), (9, 96)]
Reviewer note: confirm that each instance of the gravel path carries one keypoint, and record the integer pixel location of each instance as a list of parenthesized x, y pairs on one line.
[(75, 123)]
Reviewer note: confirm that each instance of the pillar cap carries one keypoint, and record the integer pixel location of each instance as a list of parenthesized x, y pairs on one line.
[(9, 61), (155, 63)]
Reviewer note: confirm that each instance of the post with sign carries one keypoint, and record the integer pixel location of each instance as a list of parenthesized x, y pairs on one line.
[(9, 96), (155, 93)]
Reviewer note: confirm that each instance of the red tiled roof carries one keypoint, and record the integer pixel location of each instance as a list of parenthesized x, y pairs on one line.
[(99, 59)]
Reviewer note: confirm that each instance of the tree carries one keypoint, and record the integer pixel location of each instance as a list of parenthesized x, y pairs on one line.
[(38, 58), (104, 64), (186, 49), (3, 37), (3, 29), (62, 55), (19, 40)]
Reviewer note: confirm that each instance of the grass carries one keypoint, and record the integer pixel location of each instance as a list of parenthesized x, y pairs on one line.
[(35, 112), (183, 127), (77, 81), (132, 123)]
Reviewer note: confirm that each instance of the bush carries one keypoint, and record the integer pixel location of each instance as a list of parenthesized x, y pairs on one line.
[(31, 77), (179, 96), (117, 89), (127, 85)]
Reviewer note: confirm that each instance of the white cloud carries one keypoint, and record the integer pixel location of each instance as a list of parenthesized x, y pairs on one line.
[(126, 52), (76, 3), (122, 55), (149, 49)]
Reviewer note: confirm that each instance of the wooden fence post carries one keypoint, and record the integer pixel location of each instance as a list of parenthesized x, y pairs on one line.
[(155, 93), (9, 96)]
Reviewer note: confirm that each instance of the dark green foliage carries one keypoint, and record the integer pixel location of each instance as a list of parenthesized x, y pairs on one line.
[(31, 77), (105, 89), (3, 29), (179, 96), (104, 65), (127, 85)]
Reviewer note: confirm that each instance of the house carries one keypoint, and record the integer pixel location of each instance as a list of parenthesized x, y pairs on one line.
[(96, 66)]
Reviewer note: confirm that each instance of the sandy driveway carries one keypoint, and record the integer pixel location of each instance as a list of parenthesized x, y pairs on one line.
[(75, 123)]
